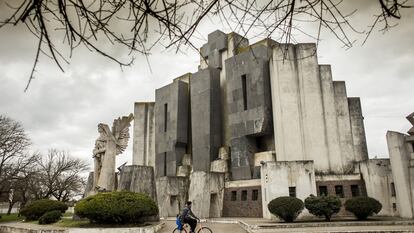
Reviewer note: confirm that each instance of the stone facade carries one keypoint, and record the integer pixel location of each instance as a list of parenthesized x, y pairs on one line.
[(260, 121)]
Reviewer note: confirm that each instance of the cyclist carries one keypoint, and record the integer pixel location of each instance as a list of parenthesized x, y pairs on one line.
[(188, 216)]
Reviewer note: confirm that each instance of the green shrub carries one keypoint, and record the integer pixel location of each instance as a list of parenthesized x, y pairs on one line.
[(116, 208), (323, 205), (362, 207), (50, 217), (36, 209), (286, 208)]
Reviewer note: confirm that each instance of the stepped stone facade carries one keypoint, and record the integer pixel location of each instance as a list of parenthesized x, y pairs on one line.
[(256, 122)]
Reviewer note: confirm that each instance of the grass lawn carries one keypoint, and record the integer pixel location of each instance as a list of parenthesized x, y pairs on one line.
[(10, 218)]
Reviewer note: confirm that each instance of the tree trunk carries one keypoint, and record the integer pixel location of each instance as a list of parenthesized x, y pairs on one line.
[(11, 203)]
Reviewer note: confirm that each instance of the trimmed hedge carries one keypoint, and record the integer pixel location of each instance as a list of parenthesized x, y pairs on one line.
[(116, 208), (286, 208), (36, 209), (50, 217), (323, 205), (362, 207)]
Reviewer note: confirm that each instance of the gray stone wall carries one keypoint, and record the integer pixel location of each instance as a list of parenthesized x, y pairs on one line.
[(171, 126), (143, 147), (249, 106), (205, 118), (138, 179), (358, 129), (172, 194)]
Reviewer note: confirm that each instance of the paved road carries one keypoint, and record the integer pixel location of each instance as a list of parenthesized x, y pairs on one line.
[(216, 227)]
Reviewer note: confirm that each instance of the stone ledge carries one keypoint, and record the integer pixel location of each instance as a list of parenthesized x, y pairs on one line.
[(9, 228)]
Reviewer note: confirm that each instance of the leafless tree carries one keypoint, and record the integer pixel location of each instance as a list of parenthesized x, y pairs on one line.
[(138, 25), (13, 145), (58, 175)]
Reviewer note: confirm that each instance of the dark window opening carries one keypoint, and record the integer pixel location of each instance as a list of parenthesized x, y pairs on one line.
[(323, 191), (355, 190), (392, 189), (255, 195), (233, 195), (165, 117), (339, 191), (394, 206), (165, 163), (292, 191), (244, 195), (244, 89)]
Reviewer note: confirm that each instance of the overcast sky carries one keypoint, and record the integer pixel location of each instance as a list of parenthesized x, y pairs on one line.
[(62, 110)]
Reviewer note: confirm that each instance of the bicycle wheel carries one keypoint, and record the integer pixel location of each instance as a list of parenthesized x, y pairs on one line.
[(179, 231), (204, 230)]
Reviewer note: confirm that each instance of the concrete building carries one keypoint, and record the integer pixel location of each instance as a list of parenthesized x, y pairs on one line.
[(257, 122)]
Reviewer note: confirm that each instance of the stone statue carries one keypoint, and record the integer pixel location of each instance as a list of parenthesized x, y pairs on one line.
[(107, 146)]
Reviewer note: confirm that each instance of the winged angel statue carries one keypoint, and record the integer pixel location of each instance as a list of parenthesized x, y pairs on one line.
[(108, 145)]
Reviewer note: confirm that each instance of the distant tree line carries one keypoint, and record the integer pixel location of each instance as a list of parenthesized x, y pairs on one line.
[(26, 176)]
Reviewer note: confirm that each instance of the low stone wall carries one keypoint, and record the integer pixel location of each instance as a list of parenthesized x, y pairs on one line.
[(20, 228)]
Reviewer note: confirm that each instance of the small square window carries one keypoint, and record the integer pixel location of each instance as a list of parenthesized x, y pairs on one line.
[(244, 195), (233, 195), (255, 195), (323, 191), (339, 191), (292, 191)]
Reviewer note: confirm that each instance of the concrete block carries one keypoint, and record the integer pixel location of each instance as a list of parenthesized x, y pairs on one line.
[(172, 194), (399, 158), (206, 192), (344, 126), (220, 166), (143, 148), (138, 179), (358, 129), (89, 186), (267, 156), (224, 153), (205, 118), (377, 175), (184, 170), (171, 126), (330, 117), (242, 157), (187, 159), (277, 177)]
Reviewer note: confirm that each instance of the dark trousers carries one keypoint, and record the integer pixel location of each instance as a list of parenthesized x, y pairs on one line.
[(192, 223)]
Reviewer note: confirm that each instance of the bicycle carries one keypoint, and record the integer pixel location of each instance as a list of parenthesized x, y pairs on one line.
[(186, 229)]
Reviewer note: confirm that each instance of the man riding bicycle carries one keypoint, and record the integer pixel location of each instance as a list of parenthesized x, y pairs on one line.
[(187, 216)]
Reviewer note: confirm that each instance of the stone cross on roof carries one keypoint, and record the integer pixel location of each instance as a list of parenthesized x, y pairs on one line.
[(217, 42), (410, 118)]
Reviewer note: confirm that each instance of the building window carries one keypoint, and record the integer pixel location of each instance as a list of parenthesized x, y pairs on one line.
[(323, 191), (394, 207), (233, 195), (355, 190), (165, 117), (244, 89), (255, 195), (392, 189), (339, 191), (292, 191), (244, 195), (165, 163)]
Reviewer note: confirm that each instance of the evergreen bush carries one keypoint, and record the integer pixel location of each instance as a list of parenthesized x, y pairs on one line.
[(286, 208), (50, 217), (116, 208), (362, 207), (323, 205), (36, 209)]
